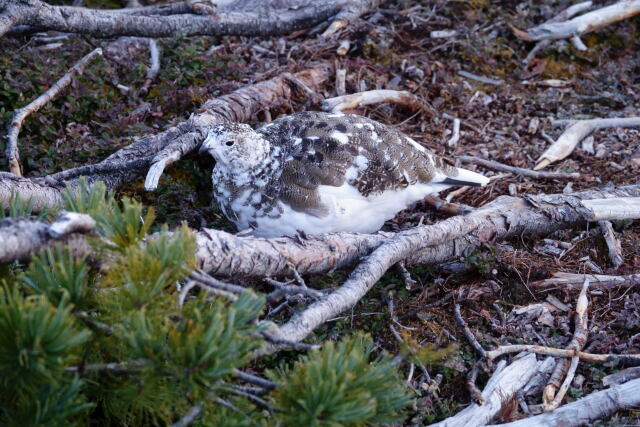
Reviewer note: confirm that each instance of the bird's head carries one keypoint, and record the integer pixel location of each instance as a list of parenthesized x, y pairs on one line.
[(236, 146)]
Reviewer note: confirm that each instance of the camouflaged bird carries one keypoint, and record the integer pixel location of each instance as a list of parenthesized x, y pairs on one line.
[(322, 172)]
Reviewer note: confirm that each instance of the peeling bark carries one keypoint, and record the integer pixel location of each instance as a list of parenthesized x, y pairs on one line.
[(583, 411), (502, 387), (165, 21)]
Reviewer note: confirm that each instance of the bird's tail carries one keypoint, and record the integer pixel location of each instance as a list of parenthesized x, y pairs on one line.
[(466, 177)]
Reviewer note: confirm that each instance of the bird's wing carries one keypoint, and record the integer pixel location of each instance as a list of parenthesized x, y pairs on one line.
[(335, 150)]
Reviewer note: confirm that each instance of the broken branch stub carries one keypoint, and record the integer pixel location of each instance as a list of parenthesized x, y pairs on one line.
[(575, 133), (500, 389), (359, 99), (582, 24)]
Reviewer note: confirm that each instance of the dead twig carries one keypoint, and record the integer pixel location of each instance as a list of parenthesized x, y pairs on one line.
[(474, 391), (550, 399), (620, 359), (455, 136), (12, 152), (467, 332), (154, 68), (615, 248), (490, 164), (573, 281), (355, 100), (562, 16), (575, 133), (582, 24)]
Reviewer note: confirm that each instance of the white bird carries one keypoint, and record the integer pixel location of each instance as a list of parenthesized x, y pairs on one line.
[(321, 173)]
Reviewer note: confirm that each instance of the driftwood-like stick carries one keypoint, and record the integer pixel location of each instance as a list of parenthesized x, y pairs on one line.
[(490, 164), (562, 16), (355, 100), (625, 208), (551, 399), (20, 237), (13, 156), (353, 11), (341, 77), (575, 133), (501, 388), (621, 359), (584, 411), (154, 67), (573, 281), (613, 244), (582, 24), (622, 377), (455, 136)]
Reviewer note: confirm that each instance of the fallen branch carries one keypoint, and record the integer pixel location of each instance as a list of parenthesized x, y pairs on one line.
[(355, 100), (573, 281), (550, 399), (490, 164), (350, 13), (19, 237), (501, 388), (167, 20), (582, 24), (562, 16), (12, 153), (446, 240), (621, 377), (154, 68), (615, 249), (619, 359), (583, 411), (575, 133)]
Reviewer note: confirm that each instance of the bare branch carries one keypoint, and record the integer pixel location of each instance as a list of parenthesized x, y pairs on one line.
[(500, 389), (490, 164), (467, 332), (20, 237), (613, 244), (582, 24), (573, 281), (551, 399), (355, 100), (353, 11), (583, 411), (12, 136), (575, 133)]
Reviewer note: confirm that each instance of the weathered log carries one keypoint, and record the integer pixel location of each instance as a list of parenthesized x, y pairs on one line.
[(501, 388), (165, 21), (583, 411)]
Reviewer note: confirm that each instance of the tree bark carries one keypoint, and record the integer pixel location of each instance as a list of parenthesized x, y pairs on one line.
[(163, 21)]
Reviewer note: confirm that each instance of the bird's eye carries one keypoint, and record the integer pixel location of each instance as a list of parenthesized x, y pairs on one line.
[(229, 143)]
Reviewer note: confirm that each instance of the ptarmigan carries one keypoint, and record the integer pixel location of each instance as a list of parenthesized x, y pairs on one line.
[(322, 172)]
